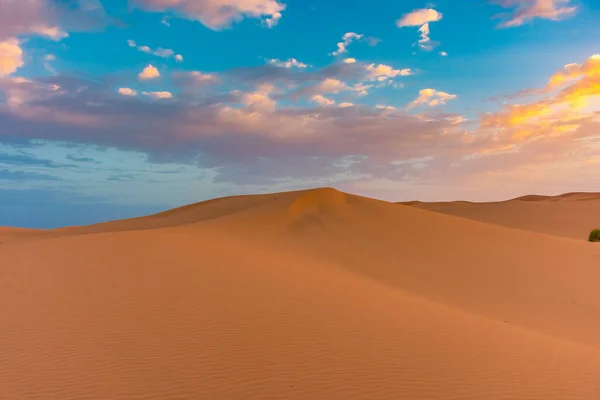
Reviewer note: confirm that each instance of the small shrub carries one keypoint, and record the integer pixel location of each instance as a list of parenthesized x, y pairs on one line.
[(595, 235)]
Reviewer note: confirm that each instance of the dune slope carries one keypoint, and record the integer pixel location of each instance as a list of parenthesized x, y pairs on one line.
[(300, 295), (571, 215)]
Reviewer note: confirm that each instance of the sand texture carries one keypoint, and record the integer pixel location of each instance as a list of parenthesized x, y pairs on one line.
[(301, 295)]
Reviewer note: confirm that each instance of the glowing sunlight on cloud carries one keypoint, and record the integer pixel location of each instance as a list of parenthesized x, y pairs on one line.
[(527, 10), (432, 97), (149, 72), (11, 56), (322, 100), (127, 92), (347, 39)]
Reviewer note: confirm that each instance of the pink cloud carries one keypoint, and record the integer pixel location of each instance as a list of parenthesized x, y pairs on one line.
[(48, 18), (215, 15), (528, 10)]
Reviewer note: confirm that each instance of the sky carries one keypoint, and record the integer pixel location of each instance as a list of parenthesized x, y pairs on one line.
[(119, 108)]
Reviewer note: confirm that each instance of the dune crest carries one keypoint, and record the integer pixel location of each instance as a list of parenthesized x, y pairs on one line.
[(317, 201)]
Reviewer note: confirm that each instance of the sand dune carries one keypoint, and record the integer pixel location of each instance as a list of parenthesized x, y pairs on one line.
[(300, 295), (571, 215)]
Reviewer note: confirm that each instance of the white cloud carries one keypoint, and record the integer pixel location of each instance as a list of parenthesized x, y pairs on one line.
[(322, 100), (273, 20), (290, 63), (432, 97), (217, 15), (342, 47), (345, 105), (349, 60), (382, 72), (527, 10), (150, 72), (159, 52), (127, 92), (159, 95), (443, 54), (11, 56), (421, 18), (382, 107)]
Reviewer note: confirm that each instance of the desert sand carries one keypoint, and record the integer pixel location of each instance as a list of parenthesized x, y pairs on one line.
[(313, 294)]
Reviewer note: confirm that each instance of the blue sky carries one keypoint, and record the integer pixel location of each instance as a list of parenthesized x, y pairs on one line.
[(118, 108)]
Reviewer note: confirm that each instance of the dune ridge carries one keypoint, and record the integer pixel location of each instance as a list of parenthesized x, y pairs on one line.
[(299, 295)]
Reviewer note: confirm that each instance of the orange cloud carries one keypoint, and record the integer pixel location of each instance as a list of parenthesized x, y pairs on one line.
[(127, 92), (150, 72), (557, 114)]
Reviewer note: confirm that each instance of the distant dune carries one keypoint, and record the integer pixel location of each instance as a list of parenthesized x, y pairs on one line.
[(571, 215), (10, 234), (312, 294)]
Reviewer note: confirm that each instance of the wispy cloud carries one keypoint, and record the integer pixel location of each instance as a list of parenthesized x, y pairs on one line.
[(159, 95), (528, 10), (9, 175), (159, 52)]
